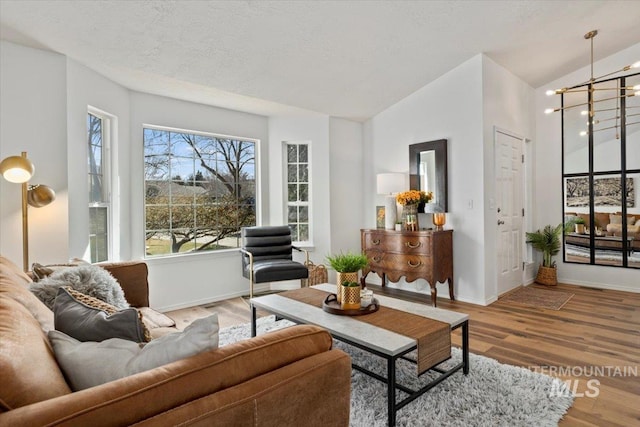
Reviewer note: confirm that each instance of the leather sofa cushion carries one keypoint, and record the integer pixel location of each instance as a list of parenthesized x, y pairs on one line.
[(602, 219), (28, 369), (14, 284), (133, 277)]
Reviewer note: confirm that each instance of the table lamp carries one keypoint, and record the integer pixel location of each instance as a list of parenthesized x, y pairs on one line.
[(389, 184)]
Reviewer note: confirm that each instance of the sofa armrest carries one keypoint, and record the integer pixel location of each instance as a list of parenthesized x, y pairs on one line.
[(133, 278), (161, 391)]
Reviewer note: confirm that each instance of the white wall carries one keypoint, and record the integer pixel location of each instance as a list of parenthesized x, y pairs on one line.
[(451, 108), (314, 128), (346, 175), (548, 192), (507, 105), (185, 280), (87, 88), (33, 119)]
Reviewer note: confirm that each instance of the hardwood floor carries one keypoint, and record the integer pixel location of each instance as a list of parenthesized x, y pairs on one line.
[(594, 341)]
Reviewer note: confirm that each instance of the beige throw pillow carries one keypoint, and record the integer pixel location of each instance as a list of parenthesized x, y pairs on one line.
[(88, 364), (617, 219)]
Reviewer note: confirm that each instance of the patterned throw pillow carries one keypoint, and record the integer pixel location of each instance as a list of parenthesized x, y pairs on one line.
[(89, 319)]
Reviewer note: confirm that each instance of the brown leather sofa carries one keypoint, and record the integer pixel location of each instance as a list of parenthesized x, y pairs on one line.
[(290, 377)]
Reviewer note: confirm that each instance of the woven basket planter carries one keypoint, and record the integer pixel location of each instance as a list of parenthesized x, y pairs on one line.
[(547, 276), (317, 274)]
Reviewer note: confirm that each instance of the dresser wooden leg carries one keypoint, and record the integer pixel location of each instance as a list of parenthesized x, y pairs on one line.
[(434, 295), (451, 297)]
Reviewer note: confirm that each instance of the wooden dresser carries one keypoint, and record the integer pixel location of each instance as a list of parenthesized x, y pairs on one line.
[(425, 254)]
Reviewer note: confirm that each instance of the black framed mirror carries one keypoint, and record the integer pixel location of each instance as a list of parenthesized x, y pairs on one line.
[(428, 170)]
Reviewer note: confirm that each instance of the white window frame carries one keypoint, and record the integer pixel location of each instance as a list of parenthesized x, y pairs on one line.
[(258, 185), (308, 203), (109, 132)]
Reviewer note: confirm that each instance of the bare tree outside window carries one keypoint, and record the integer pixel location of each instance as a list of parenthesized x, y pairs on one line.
[(200, 190), (99, 202)]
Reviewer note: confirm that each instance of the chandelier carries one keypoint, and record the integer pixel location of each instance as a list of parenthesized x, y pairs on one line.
[(602, 98)]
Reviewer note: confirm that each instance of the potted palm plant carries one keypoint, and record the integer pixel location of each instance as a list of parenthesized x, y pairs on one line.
[(548, 242), (347, 265)]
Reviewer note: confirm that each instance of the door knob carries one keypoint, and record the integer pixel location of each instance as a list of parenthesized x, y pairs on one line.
[(500, 222)]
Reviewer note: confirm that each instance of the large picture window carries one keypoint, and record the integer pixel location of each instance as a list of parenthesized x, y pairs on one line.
[(200, 190)]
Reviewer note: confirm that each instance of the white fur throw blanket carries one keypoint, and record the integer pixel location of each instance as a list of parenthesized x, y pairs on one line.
[(89, 279)]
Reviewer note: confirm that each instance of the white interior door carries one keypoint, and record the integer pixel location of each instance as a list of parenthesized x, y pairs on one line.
[(509, 209)]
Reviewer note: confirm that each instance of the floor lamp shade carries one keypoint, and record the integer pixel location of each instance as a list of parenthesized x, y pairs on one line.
[(17, 169), (389, 184)]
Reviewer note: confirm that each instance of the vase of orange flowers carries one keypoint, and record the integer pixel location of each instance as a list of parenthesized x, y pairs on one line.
[(409, 201)]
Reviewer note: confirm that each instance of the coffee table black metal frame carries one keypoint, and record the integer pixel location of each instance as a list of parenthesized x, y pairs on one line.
[(390, 379)]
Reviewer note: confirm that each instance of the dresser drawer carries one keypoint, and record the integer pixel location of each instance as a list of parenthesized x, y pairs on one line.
[(418, 264), (398, 242), (379, 260), (376, 258)]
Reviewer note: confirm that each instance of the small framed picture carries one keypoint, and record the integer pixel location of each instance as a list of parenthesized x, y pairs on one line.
[(379, 216)]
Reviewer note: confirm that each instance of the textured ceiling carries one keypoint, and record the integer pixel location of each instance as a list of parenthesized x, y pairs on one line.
[(347, 59)]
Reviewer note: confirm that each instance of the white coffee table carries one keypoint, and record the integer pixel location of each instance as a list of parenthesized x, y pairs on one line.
[(373, 339)]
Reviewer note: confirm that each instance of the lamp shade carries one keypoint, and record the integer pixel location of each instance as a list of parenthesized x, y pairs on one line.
[(40, 195), (17, 169), (389, 183)]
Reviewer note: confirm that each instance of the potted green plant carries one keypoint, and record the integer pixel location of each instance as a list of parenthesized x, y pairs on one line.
[(579, 224), (347, 265), (548, 242)]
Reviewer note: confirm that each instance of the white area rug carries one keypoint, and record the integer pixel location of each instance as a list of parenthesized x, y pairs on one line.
[(493, 394)]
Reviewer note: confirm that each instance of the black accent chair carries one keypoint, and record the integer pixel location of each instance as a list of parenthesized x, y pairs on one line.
[(267, 256)]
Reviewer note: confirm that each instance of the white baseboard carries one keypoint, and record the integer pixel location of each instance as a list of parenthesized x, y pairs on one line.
[(475, 301), (598, 285), (203, 301)]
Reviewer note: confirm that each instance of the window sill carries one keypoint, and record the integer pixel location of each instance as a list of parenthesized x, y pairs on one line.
[(172, 258), (308, 246)]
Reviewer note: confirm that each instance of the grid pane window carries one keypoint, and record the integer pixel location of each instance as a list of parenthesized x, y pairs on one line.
[(98, 189), (297, 172), (200, 190)]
